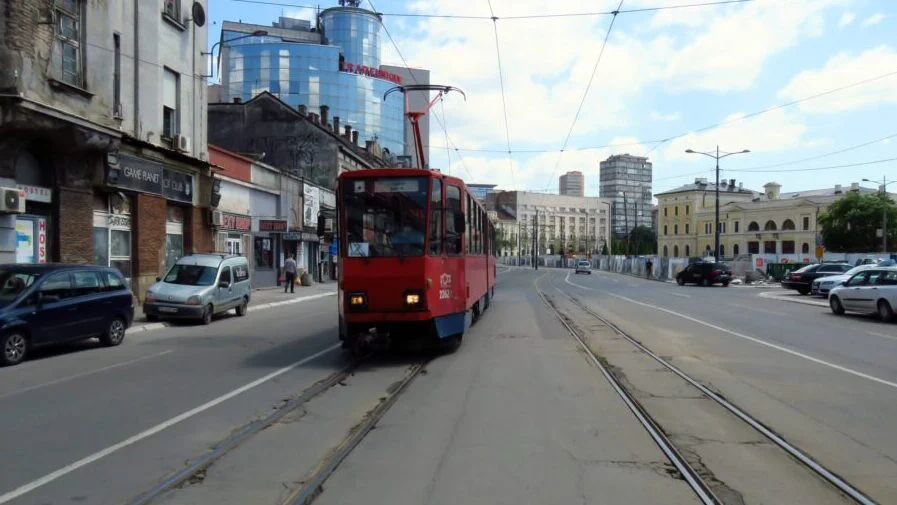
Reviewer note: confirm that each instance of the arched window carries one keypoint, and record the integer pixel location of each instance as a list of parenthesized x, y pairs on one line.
[(687, 251), (722, 250), (770, 226), (675, 251), (805, 248), (753, 226), (665, 251), (788, 224), (735, 250)]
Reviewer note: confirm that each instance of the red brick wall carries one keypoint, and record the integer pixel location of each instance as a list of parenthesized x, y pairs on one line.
[(198, 236), (75, 226), (148, 230)]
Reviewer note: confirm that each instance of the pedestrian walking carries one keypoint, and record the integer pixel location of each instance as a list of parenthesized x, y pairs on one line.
[(289, 273), (648, 266)]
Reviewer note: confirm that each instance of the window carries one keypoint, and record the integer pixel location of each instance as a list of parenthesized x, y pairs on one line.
[(858, 279), (264, 253), (241, 273), (736, 226), (170, 102), (454, 217), (770, 226), (722, 250), (436, 218), (805, 249), (787, 247), (386, 216), (806, 223), (686, 210), (113, 281), (68, 41), (665, 251), (754, 247), (676, 210), (225, 276), (665, 213), (58, 284), (888, 278), (769, 247), (665, 230), (787, 225), (675, 251), (87, 283), (753, 226), (707, 228), (687, 251), (735, 250), (172, 8), (116, 76), (687, 226)]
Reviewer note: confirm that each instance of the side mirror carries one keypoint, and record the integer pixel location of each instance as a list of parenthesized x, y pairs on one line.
[(844, 283), (223, 284), (158, 278)]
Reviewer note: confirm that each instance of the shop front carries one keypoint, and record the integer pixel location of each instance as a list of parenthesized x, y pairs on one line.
[(234, 235), (268, 255)]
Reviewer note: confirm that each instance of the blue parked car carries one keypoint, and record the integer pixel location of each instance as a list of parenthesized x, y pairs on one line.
[(53, 303)]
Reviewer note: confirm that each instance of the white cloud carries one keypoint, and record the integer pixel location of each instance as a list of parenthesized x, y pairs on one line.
[(874, 19), (658, 116), (842, 69), (846, 19)]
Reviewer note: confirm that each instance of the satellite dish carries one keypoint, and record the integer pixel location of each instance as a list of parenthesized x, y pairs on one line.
[(199, 14)]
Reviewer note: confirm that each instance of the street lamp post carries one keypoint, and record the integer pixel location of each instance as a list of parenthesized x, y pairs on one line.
[(884, 213), (625, 220), (716, 157), (257, 33)]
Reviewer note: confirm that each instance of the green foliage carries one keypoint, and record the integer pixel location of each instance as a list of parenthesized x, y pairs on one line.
[(851, 223), (642, 241)]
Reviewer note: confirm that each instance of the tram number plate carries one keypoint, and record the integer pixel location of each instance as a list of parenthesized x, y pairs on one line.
[(445, 294)]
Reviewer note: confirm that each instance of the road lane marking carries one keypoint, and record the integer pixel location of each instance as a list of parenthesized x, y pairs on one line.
[(84, 374), (748, 337), (50, 477), (758, 309), (882, 335), (680, 295), (772, 295)]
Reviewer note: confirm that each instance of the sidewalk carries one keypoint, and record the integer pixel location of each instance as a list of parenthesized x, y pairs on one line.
[(261, 299)]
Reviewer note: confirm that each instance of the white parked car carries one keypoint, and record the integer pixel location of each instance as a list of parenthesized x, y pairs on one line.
[(870, 291), (823, 285), (584, 267)]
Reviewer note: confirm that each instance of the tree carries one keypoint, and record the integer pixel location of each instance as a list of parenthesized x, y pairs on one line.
[(643, 240), (604, 250), (851, 224)]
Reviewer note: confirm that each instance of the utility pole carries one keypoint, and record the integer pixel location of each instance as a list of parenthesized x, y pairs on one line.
[(716, 220), (536, 241)]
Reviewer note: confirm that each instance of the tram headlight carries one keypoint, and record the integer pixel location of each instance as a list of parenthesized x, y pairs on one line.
[(414, 299), (358, 300)]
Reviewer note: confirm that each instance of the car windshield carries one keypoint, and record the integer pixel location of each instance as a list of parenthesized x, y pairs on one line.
[(584, 263), (856, 270), (191, 275), (13, 284), (385, 216)]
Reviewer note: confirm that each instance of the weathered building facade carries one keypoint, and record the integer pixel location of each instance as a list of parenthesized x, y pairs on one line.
[(102, 128)]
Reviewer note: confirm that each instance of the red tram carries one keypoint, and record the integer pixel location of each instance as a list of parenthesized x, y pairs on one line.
[(416, 257)]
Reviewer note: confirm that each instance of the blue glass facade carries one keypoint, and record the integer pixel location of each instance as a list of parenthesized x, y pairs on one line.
[(308, 73)]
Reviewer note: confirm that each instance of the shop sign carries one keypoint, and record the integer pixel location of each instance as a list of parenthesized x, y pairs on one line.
[(300, 236), (370, 72), (275, 225), (119, 221), (36, 193), (151, 177), (235, 222), (311, 205)]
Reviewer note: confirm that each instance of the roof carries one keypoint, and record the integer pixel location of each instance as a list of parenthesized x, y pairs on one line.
[(706, 187), (206, 260)]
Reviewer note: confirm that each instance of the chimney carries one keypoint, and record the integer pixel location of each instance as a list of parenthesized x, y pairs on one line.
[(303, 110), (369, 145), (355, 137), (324, 111), (238, 99), (336, 125), (837, 189), (854, 186), (348, 133), (740, 186)]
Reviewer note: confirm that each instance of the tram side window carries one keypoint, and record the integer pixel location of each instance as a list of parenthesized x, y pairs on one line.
[(454, 220), (436, 218), (467, 246)]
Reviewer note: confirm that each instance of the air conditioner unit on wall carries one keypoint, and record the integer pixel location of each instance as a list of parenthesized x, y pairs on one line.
[(13, 201), (182, 143), (215, 217)]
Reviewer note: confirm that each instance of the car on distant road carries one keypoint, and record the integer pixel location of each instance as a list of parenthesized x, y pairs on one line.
[(705, 273), (584, 266), (823, 285), (872, 291), (802, 279), (53, 303)]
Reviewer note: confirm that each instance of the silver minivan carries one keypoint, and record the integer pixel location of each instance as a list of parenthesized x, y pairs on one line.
[(200, 286)]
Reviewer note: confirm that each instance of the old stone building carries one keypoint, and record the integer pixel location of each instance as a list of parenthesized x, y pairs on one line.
[(102, 112)]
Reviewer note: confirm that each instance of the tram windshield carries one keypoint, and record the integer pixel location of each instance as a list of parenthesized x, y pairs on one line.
[(385, 216)]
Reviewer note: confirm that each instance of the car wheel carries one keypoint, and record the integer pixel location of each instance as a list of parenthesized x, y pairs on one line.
[(152, 318), (680, 281), (115, 333), (14, 346), (803, 291), (835, 304), (707, 283), (725, 284), (241, 309), (885, 313), (207, 314)]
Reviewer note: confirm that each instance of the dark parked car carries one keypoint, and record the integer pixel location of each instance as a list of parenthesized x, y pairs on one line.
[(705, 273), (802, 278), (53, 303)]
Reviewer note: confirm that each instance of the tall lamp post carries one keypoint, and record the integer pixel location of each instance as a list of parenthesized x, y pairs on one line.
[(625, 220), (257, 33), (884, 213), (716, 157)]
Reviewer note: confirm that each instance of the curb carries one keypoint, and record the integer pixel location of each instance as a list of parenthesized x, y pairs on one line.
[(771, 295), (251, 308)]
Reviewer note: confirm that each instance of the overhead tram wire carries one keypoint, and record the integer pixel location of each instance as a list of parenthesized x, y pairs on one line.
[(408, 68), (825, 155), (504, 102), (585, 94), (448, 152), (815, 169)]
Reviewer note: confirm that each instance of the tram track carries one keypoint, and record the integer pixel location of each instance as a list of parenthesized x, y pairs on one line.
[(311, 484), (699, 479)]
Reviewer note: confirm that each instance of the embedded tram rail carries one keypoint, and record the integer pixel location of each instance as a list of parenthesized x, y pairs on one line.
[(699, 476)]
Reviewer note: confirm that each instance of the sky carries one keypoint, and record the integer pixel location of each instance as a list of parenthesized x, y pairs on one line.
[(802, 84)]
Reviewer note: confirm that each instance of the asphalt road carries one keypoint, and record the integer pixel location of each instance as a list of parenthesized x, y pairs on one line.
[(826, 382)]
